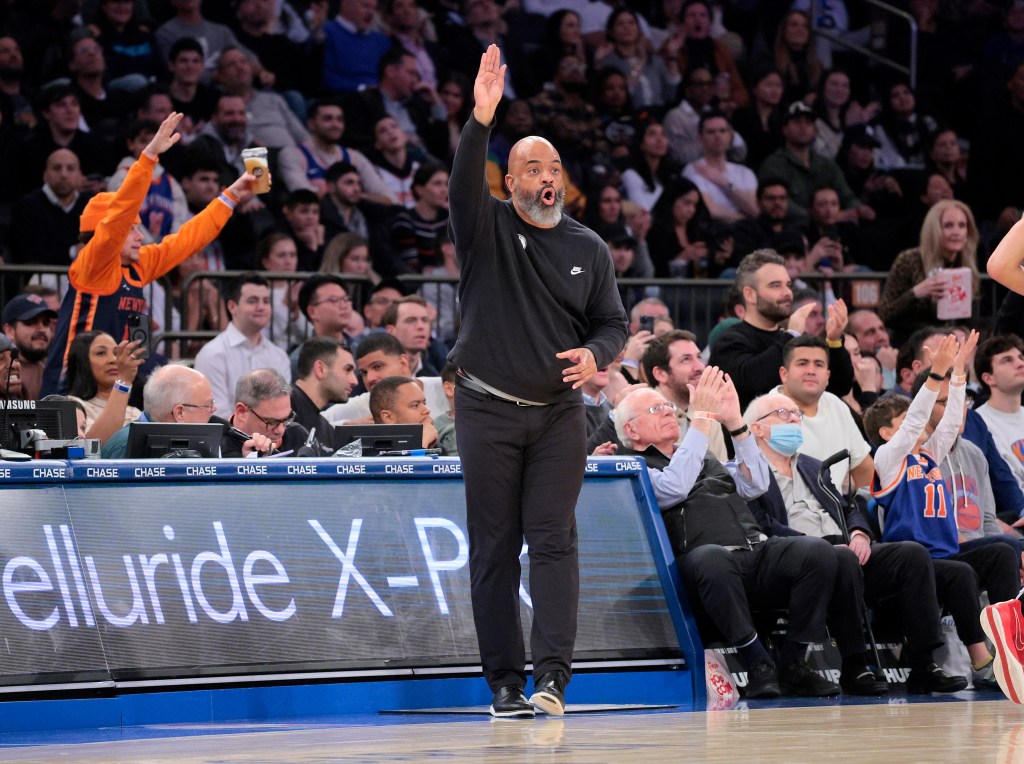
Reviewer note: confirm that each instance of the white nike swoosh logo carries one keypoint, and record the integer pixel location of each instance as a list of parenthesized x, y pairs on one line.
[(576, 271)]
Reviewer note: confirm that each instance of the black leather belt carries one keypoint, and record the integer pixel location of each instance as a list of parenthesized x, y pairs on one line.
[(461, 380)]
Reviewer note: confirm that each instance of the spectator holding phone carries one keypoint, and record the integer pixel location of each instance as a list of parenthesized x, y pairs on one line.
[(100, 374), (106, 280)]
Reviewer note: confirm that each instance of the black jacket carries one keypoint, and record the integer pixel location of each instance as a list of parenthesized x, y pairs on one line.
[(526, 293), (712, 512), (770, 508), (753, 357)]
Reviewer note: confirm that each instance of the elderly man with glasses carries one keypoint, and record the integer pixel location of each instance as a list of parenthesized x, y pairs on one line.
[(173, 394), (796, 506), (727, 563)]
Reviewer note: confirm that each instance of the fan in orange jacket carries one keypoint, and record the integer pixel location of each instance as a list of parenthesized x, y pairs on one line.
[(107, 277)]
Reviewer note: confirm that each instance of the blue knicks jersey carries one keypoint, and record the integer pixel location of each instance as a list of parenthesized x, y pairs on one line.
[(159, 201), (316, 172), (83, 312), (918, 506)]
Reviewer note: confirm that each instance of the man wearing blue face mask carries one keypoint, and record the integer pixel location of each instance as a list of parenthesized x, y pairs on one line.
[(795, 505)]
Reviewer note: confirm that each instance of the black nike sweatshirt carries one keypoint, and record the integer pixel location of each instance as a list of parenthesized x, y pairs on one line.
[(526, 293)]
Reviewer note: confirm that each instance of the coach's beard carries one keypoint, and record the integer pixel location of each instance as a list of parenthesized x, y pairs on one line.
[(537, 210)]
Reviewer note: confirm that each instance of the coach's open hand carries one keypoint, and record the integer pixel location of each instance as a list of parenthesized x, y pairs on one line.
[(489, 85), (585, 368)]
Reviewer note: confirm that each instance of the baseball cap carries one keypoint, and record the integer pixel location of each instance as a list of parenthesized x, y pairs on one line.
[(96, 210), (5, 344), (861, 135), (796, 110), (25, 307), (617, 234)]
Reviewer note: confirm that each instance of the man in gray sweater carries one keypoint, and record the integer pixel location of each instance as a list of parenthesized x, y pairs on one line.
[(540, 315)]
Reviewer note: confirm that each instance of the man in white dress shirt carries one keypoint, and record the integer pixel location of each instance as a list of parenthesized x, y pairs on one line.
[(242, 347)]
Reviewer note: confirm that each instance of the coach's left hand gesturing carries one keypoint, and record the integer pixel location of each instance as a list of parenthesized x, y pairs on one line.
[(585, 368)]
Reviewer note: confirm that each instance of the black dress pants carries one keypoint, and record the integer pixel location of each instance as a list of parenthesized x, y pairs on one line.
[(996, 560), (794, 572), (902, 569), (523, 469)]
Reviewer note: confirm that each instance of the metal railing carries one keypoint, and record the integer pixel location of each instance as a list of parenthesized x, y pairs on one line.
[(694, 304), (14, 278), (910, 70)]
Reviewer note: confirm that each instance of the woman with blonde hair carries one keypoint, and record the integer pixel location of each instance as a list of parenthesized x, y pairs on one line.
[(949, 239)]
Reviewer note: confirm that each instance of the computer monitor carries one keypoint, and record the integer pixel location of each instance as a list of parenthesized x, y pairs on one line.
[(378, 438), (153, 440), (58, 419)]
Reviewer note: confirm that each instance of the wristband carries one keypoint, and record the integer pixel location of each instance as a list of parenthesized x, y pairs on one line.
[(705, 415), (958, 379), (834, 344), (936, 377), (122, 387), (739, 431)]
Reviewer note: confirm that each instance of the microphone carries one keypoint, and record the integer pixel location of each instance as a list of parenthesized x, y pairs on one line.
[(837, 457), (243, 437)]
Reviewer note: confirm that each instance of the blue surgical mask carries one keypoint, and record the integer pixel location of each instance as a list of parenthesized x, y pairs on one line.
[(786, 438)]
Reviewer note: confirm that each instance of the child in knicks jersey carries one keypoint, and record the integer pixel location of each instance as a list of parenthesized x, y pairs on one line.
[(908, 480), (917, 504)]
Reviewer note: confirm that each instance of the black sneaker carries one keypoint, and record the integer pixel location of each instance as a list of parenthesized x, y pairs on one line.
[(797, 678), (934, 679), (762, 681), (866, 682), (549, 693), (509, 702)]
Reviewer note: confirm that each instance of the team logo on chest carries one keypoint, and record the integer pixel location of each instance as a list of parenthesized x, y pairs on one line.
[(522, 240)]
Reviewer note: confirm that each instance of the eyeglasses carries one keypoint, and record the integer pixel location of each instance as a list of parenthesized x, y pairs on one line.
[(657, 408), (332, 301), (272, 423), (794, 415), (381, 301), (207, 407)]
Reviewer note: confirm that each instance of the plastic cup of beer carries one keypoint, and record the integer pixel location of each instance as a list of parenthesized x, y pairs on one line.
[(256, 163)]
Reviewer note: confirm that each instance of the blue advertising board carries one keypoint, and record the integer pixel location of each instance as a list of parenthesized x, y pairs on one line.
[(166, 570)]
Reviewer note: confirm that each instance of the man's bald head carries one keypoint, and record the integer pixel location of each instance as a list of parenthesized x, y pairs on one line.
[(532, 146), (535, 180)]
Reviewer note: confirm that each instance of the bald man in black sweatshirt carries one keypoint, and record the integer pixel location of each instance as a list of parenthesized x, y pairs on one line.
[(540, 314)]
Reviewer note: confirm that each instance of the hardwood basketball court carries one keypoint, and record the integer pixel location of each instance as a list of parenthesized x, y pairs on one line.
[(965, 727)]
